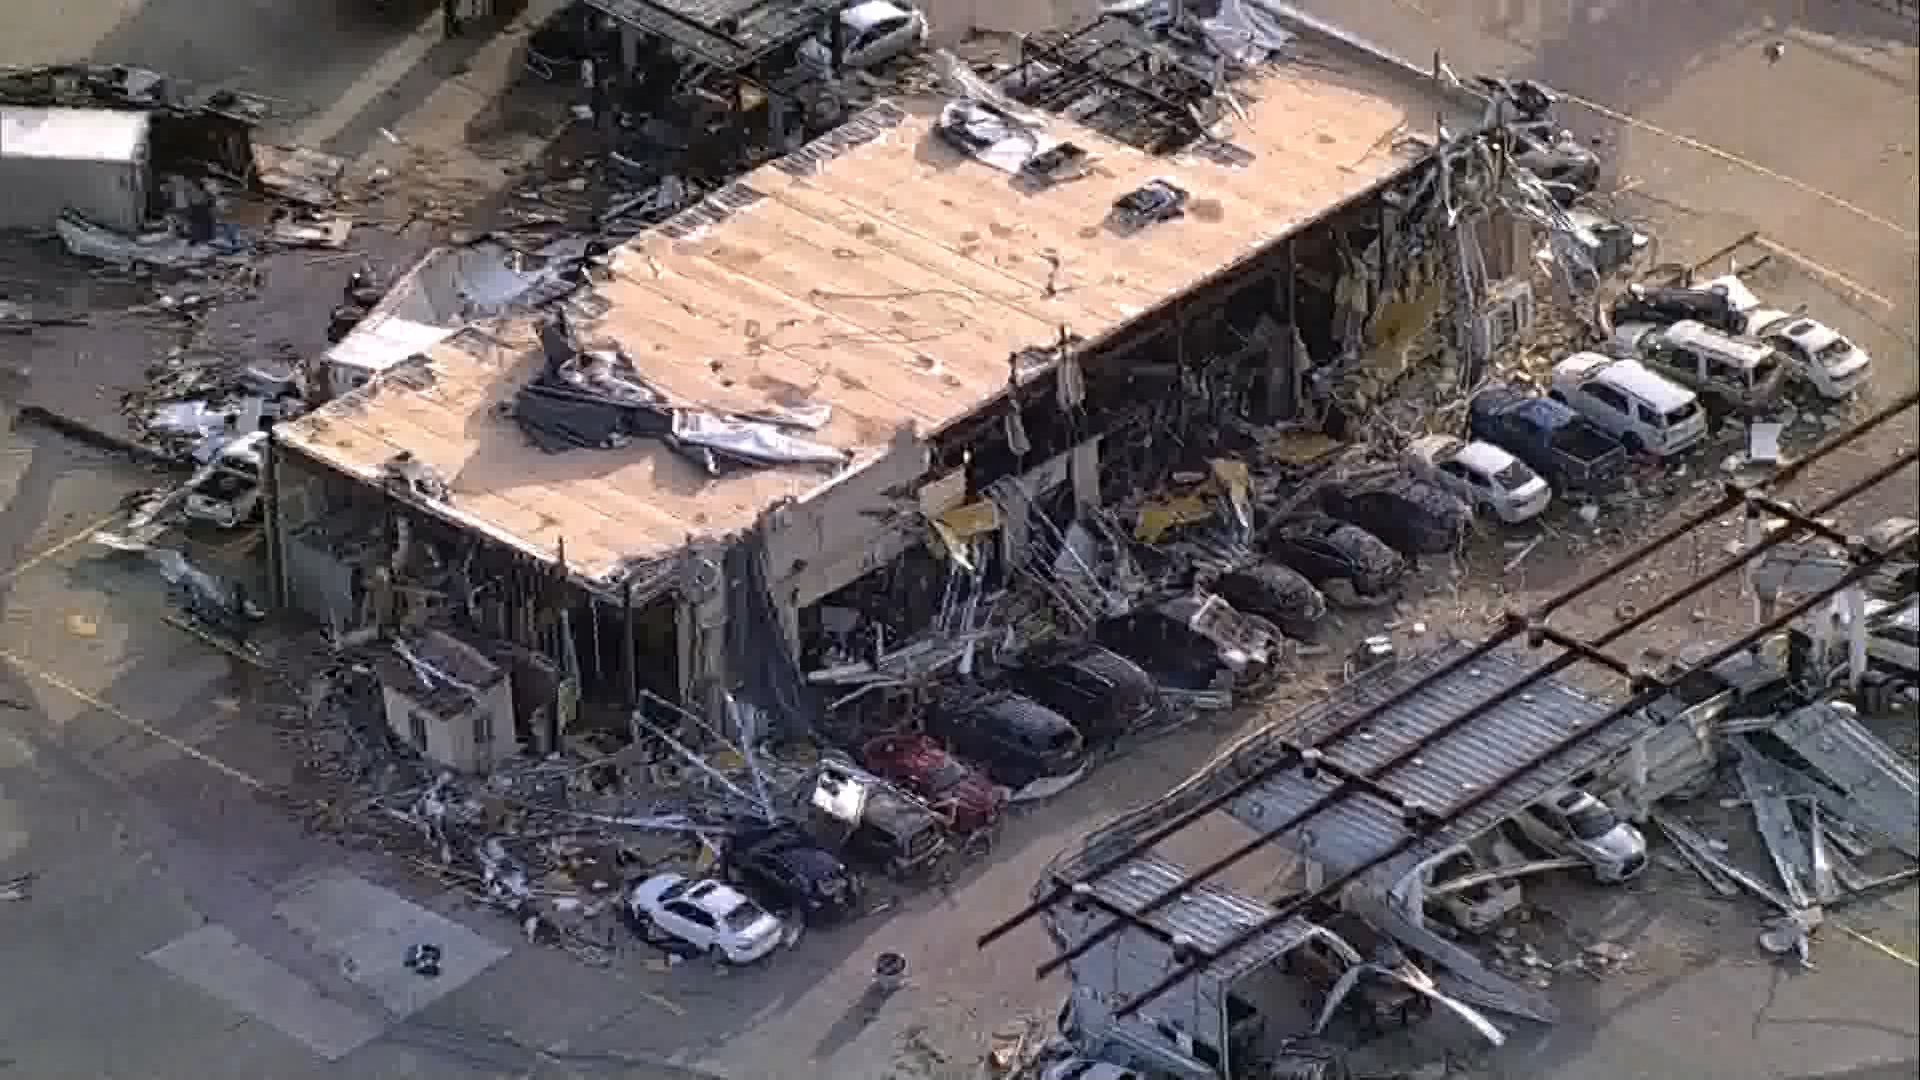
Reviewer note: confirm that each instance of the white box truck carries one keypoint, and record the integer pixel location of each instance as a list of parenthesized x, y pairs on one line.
[(91, 161)]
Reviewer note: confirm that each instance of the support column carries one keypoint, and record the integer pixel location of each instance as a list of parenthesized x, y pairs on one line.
[(1083, 469), (270, 495)]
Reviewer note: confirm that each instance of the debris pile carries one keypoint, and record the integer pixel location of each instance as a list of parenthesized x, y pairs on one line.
[(1821, 822), (595, 398)]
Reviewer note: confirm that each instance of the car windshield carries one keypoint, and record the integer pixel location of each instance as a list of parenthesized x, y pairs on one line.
[(675, 890), (742, 916), (1514, 477), (1592, 821), (1680, 414)]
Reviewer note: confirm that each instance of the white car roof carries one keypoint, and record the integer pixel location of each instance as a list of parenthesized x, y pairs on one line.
[(716, 898), (1688, 334), (1580, 365), (1737, 293), (1484, 457), (1629, 376), (1812, 334), (871, 13)]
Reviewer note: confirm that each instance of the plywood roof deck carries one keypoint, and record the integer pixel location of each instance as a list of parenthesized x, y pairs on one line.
[(891, 282)]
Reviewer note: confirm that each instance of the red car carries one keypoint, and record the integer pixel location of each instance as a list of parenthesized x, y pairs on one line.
[(952, 787)]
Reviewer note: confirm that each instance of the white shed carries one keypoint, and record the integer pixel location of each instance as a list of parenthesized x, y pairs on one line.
[(91, 161)]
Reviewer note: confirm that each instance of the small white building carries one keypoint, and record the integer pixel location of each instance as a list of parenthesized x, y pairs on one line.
[(91, 161), (449, 702)]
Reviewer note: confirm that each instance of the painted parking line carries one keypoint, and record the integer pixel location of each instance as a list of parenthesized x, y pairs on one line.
[(80, 537), (1879, 946), (1748, 164), (40, 674), (382, 76), (1822, 270)]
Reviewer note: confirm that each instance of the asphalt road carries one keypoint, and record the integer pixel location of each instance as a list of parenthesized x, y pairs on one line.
[(133, 780)]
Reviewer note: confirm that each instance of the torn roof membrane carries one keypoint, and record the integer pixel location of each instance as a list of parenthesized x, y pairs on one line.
[(878, 271)]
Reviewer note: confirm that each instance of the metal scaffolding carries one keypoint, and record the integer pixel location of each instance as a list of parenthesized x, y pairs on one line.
[(1531, 628)]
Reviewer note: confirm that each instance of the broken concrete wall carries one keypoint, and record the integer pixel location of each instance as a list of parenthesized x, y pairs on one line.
[(843, 531)]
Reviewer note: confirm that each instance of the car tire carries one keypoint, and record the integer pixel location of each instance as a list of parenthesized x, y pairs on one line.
[(718, 955), (1633, 443), (1557, 396)]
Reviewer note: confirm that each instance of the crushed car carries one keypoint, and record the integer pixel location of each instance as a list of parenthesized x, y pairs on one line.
[(780, 863), (1279, 594), (1100, 692), (226, 492), (1415, 516), (1822, 357), (963, 794), (1325, 549), (1023, 745), (876, 822), (1571, 452), (1576, 823), (1490, 480), (1735, 375), (1198, 642), (1665, 306), (1646, 411)]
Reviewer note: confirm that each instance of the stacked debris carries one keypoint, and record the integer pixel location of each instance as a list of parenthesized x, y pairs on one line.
[(1821, 819), (553, 840), (193, 131), (596, 398)]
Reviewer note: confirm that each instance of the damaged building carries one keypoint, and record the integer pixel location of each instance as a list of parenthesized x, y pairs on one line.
[(889, 346), (1200, 1027)]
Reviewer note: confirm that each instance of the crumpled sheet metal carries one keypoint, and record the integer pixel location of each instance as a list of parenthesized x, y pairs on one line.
[(85, 239), (752, 442)]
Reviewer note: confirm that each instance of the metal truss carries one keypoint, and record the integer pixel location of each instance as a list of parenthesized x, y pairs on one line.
[(1528, 627)]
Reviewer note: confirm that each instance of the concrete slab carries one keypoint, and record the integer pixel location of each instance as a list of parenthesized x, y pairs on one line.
[(368, 930), (215, 961)]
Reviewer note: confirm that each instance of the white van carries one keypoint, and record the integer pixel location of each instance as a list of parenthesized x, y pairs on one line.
[(1741, 373), (1646, 411)]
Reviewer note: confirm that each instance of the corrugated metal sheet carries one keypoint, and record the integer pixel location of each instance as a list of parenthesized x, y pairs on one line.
[(1359, 829), (1133, 961), (1209, 915), (1876, 781)]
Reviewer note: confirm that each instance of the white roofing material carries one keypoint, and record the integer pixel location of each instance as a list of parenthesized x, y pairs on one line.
[(1484, 457), (73, 134)]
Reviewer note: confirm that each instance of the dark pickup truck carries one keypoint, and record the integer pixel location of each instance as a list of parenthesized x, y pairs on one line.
[(1560, 444)]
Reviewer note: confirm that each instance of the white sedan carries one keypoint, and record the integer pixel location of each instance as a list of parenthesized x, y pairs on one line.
[(1833, 365), (874, 31), (711, 916), (1487, 477)]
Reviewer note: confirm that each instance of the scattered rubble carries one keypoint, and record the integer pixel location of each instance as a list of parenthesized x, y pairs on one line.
[(19, 887)]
